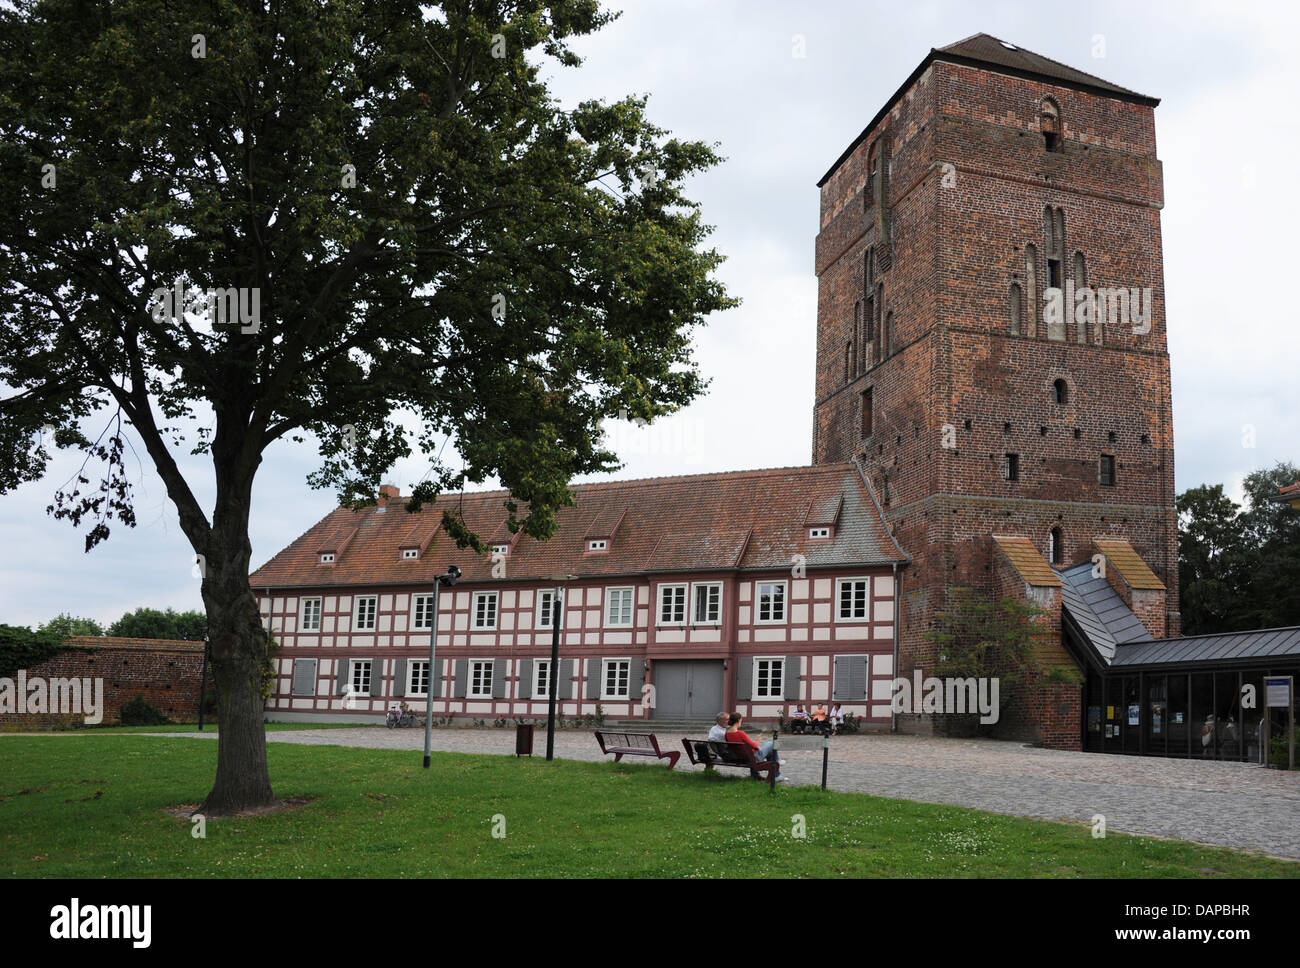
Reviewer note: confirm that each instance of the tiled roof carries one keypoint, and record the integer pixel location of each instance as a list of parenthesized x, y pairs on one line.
[(1031, 565), (737, 520), (124, 642), (1227, 647), (989, 50), (1099, 611), (983, 50), (1288, 494), (1121, 556)]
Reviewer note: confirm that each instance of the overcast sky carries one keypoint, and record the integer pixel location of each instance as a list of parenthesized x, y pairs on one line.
[(1227, 132)]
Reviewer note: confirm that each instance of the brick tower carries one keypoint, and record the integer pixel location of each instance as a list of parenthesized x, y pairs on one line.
[(977, 402)]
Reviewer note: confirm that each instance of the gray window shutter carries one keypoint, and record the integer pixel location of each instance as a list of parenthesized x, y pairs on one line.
[(399, 678), (593, 679), (744, 678), (525, 679), (564, 684), (460, 680), (376, 677), (850, 678), (304, 677), (635, 678), (858, 678), (791, 676), (435, 679), (500, 687), (342, 668)]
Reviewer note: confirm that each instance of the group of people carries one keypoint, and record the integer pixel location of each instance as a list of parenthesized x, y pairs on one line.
[(727, 730), (819, 719)]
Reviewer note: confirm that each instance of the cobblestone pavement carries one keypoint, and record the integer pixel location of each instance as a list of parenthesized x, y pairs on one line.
[(1228, 804)]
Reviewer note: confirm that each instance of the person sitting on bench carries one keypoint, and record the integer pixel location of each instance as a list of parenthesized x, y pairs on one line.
[(718, 732), (761, 751), (819, 719), (798, 719), (837, 718)]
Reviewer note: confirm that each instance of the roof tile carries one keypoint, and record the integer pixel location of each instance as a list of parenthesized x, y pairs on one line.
[(747, 520)]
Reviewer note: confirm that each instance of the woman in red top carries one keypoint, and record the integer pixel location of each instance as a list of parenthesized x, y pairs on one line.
[(762, 752)]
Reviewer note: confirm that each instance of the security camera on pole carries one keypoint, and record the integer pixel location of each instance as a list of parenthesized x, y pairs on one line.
[(449, 579)]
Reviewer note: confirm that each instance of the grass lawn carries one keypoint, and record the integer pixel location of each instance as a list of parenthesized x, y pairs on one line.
[(211, 727), (95, 805)]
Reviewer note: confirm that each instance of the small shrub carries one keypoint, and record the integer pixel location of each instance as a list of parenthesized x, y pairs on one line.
[(1279, 753), (138, 712)]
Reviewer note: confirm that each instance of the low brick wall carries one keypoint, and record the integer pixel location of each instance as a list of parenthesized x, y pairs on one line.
[(165, 671)]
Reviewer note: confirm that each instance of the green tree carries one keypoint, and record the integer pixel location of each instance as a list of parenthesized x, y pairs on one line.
[(982, 637), (1272, 532), (1212, 560), (149, 623), (1239, 567), (416, 232), (65, 626), (21, 648)]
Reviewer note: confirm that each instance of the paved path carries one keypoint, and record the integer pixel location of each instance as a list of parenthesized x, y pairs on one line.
[(1227, 804)]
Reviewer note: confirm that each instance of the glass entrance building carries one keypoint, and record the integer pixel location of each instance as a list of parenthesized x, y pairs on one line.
[(1191, 696)]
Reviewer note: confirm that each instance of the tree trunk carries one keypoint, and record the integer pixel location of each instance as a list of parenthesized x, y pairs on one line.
[(239, 643)]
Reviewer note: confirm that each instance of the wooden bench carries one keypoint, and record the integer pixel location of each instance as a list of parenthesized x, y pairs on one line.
[(740, 755), (634, 744)]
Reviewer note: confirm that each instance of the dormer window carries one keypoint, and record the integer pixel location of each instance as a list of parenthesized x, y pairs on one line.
[(501, 549), (819, 534), (410, 554), (327, 558), (598, 544)]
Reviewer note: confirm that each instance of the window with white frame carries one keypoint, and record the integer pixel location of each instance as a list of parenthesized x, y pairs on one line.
[(769, 676), (672, 604), (855, 603), (485, 610), (616, 677), (360, 677), (707, 609), (598, 544), (421, 613), (501, 549), (819, 533), (771, 601), (310, 615), (410, 554), (417, 677), (327, 558), (546, 600), (367, 608), (542, 679), (480, 679), (619, 607)]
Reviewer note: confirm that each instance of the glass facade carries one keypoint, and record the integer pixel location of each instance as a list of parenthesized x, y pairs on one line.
[(1214, 714)]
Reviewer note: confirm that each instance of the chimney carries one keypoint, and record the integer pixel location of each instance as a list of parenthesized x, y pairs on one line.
[(388, 492)]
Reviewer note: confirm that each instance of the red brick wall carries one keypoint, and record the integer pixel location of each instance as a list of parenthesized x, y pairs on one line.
[(956, 250), (164, 671)]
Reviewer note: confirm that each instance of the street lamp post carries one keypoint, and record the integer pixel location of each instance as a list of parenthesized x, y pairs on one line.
[(557, 610), (448, 579)]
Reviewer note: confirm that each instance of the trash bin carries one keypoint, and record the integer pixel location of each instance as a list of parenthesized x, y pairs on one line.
[(524, 739)]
